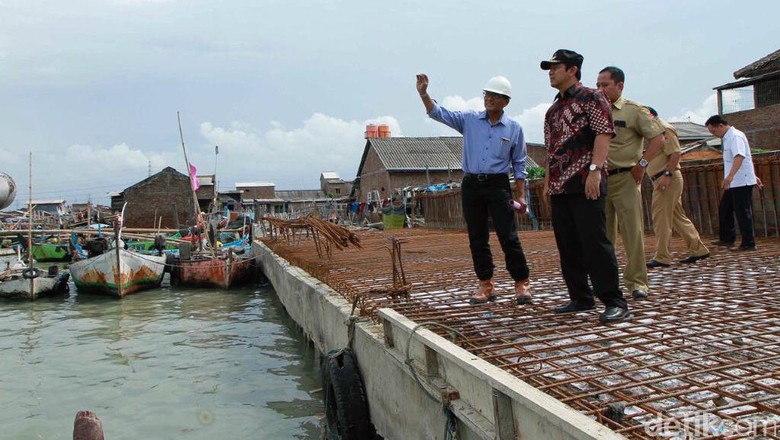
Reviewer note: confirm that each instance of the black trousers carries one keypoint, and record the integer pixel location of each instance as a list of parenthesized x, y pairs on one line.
[(581, 236), (737, 202), (490, 197)]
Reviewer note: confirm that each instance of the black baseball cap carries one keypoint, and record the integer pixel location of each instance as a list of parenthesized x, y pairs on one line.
[(563, 56)]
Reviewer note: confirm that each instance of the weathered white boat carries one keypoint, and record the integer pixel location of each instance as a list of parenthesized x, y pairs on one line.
[(118, 272), (31, 284)]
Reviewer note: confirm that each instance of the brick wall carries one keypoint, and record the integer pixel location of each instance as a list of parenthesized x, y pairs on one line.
[(157, 196), (375, 177), (761, 126), (257, 192)]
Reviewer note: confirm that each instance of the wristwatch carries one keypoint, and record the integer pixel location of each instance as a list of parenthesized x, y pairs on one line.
[(643, 163), (594, 167)]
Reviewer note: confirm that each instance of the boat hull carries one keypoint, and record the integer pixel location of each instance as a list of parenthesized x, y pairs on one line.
[(133, 272), (19, 288), (49, 252), (220, 272)]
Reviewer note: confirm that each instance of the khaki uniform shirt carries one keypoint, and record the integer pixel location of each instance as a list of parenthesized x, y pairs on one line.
[(671, 146), (633, 124)]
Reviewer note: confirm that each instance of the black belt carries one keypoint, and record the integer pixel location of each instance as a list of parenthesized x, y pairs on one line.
[(618, 171), (484, 177), (657, 176)]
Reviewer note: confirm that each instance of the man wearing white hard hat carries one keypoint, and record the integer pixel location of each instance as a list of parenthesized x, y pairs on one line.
[(492, 144)]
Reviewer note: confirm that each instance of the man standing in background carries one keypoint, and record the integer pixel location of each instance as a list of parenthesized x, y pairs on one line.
[(625, 169), (667, 209), (739, 178)]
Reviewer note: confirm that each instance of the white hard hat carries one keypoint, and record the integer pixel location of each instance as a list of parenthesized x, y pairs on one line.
[(500, 85)]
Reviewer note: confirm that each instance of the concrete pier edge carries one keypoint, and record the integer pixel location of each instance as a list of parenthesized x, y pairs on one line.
[(404, 405)]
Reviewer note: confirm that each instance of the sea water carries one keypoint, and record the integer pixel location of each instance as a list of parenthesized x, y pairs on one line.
[(167, 363)]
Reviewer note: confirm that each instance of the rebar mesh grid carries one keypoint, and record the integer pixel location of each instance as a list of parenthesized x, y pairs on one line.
[(701, 356)]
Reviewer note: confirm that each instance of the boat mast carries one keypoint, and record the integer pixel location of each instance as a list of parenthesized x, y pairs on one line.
[(195, 206), (216, 156), (29, 231)]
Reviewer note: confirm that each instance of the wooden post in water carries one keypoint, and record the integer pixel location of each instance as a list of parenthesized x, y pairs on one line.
[(87, 426)]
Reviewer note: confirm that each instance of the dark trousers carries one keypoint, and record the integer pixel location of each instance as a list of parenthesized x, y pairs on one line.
[(737, 202), (581, 236), (490, 197)]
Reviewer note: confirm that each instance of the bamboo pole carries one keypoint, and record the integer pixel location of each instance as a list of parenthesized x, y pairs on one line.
[(195, 206), (29, 230)]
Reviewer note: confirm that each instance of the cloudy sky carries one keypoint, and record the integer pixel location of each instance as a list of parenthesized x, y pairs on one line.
[(92, 87)]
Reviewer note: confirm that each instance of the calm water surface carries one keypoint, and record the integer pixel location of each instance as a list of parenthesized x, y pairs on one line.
[(161, 364)]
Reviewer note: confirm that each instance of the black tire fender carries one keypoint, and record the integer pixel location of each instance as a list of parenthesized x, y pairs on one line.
[(31, 272), (346, 405)]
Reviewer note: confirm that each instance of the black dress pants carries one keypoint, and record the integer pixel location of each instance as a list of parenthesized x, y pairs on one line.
[(737, 202), (490, 197), (585, 251)]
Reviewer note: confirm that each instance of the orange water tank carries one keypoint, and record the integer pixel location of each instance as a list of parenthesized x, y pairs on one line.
[(372, 131), (384, 131)]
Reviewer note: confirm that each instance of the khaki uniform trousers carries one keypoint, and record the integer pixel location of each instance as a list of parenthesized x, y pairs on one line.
[(624, 213), (668, 216)]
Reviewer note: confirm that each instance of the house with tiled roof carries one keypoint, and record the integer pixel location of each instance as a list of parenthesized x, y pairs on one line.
[(752, 102)]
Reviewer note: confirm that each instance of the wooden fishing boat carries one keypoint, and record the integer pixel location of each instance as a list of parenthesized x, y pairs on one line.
[(230, 266), (31, 284), (118, 272), (8, 256), (46, 252), (150, 246)]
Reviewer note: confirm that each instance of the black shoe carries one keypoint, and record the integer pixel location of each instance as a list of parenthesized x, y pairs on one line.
[(476, 300), (615, 314), (574, 306), (652, 264), (523, 300), (639, 294), (743, 249), (693, 259), (722, 243)]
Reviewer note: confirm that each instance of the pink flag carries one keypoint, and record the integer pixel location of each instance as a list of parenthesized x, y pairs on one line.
[(194, 178)]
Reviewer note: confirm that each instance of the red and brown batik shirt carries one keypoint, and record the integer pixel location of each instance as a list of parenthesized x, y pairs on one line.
[(570, 128)]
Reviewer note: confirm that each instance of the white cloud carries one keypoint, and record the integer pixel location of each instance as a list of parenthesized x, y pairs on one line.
[(84, 172), (137, 2), (457, 103), (708, 108), (532, 121), (292, 158)]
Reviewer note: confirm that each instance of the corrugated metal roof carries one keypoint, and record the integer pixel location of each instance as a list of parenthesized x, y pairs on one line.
[(710, 143), (300, 194), (253, 184), (419, 153), (690, 131), (416, 153), (766, 64)]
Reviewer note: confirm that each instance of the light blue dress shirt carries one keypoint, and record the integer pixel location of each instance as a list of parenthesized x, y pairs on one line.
[(487, 149)]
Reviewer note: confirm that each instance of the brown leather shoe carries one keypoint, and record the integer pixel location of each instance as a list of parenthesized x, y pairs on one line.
[(484, 292), (523, 292)]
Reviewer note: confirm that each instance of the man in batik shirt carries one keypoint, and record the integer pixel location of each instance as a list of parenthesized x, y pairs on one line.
[(577, 131)]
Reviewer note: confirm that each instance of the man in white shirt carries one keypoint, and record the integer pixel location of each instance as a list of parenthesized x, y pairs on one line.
[(739, 178)]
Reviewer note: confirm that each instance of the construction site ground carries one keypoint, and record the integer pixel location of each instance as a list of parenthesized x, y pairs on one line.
[(701, 354)]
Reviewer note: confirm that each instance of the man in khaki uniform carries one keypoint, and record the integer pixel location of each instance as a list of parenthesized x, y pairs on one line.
[(668, 214), (625, 169)]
